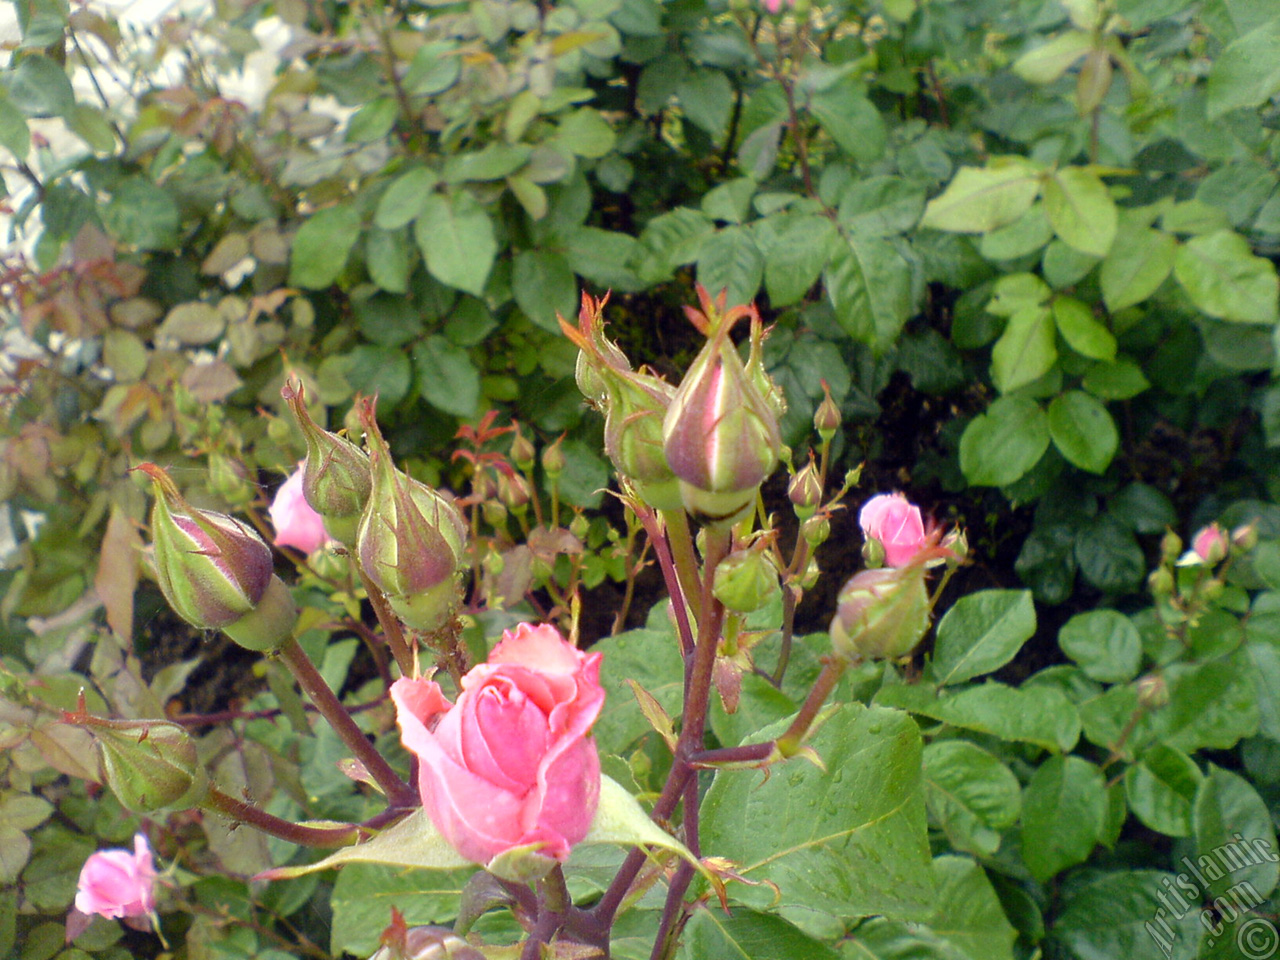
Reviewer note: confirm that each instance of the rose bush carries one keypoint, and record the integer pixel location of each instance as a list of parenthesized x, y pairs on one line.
[(117, 883), (512, 763)]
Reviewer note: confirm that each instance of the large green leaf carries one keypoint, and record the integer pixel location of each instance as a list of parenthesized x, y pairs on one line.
[(1227, 807), (1026, 351), (143, 214), (456, 237), (365, 893), (1063, 809), (869, 283), (1082, 331), (744, 934), (1083, 431), (981, 633), (795, 248), (1001, 445), (1043, 716), (981, 199), (1081, 210), (406, 198), (829, 847), (1247, 72), (1213, 705), (445, 376), (1122, 915), (649, 657), (851, 120), (1138, 262), (973, 796), (321, 247), (730, 260), (881, 206), (544, 286), (1105, 643), (1225, 280), (1161, 790)]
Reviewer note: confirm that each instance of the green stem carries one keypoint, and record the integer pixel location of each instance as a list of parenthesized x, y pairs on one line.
[(390, 624), (242, 811), (681, 542), (833, 669)]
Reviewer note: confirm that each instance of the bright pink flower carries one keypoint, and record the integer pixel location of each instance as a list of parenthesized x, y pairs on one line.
[(297, 525), (896, 523), (1211, 544), (117, 883), (512, 763)]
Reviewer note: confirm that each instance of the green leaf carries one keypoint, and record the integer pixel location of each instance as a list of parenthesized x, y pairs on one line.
[(495, 161), (795, 248), (322, 245), (972, 795), (981, 199), (1213, 706), (1029, 233), (373, 121), (706, 98), (456, 237), (1083, 333), (1247, 72), (869, 284), (1161, 789), (388, 256), (382, 371), (1051, 60), (1044, 717), (1105, 644), (1109, 556), (730, 201), (1228, 807), (851, 120), (652, 659), (39, 87), (1026, 351), (1122, 914), (1081, 210), (543, 286), (881, 206), (1062, 815), (603, 258), (1001, 445), (364, 894), (1138, 262), (1225, 280), (1122, 380), (435, 68), (967, 912), (620, 819), (729, 259), (981, 633), (445, 376), (1083, 431), (14, 135), (143, 214), (711, 935), (670, 240), (810, 836), (406, 198)]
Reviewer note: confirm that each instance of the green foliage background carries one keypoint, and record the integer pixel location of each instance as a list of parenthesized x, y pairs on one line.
[(1047, 230)]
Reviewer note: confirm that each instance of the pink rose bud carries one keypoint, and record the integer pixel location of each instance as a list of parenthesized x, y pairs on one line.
[(720, 435), (895, 523), (881, 614), (1211, 544), (297, 524), (512, 763), (215, 571), (117, 883)]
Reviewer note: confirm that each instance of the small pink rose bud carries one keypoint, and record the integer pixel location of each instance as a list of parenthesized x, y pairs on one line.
[(116, 883), (336, 480), (1211, 544), (805, 490), (297, 524), (411, 541), (1245, 537), (720, 435), (215, 571), (1153, 691), (895, 523), (826, 419)]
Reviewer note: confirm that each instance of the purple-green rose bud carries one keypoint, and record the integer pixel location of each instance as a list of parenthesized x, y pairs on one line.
[(336, 479), (495, 513), (826, 419), (720, 436), (150, 765), (745, 580), (212, 568), (1245, 537), (873, 553), (881, 614), (816, 530), (1170, 547), (411, 541), (553, 461), (522, 451), (514, 491), (599, 355), (805, 490)]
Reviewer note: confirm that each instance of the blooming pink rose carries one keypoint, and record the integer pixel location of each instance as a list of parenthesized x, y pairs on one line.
[(1211, 544), (512, 763), (117, 883), (297, 525), (895, 522)]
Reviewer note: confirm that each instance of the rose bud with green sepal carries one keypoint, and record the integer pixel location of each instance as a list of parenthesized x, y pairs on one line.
[(215, 571), (746, 579), (720, 435), (805, 490), (150, 765), (881, 614), (411, 541), (336, 478), (633, 441), (756, 372), (826, 419)]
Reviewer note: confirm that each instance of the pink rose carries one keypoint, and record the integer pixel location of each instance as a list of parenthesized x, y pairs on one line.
[(895, 523), (512, 762), (1211, 544), (117, 883), (297, 525)]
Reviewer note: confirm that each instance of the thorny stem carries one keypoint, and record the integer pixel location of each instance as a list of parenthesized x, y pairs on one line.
[(391, 629), (673, 909), (308, 677), (226, 716)]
